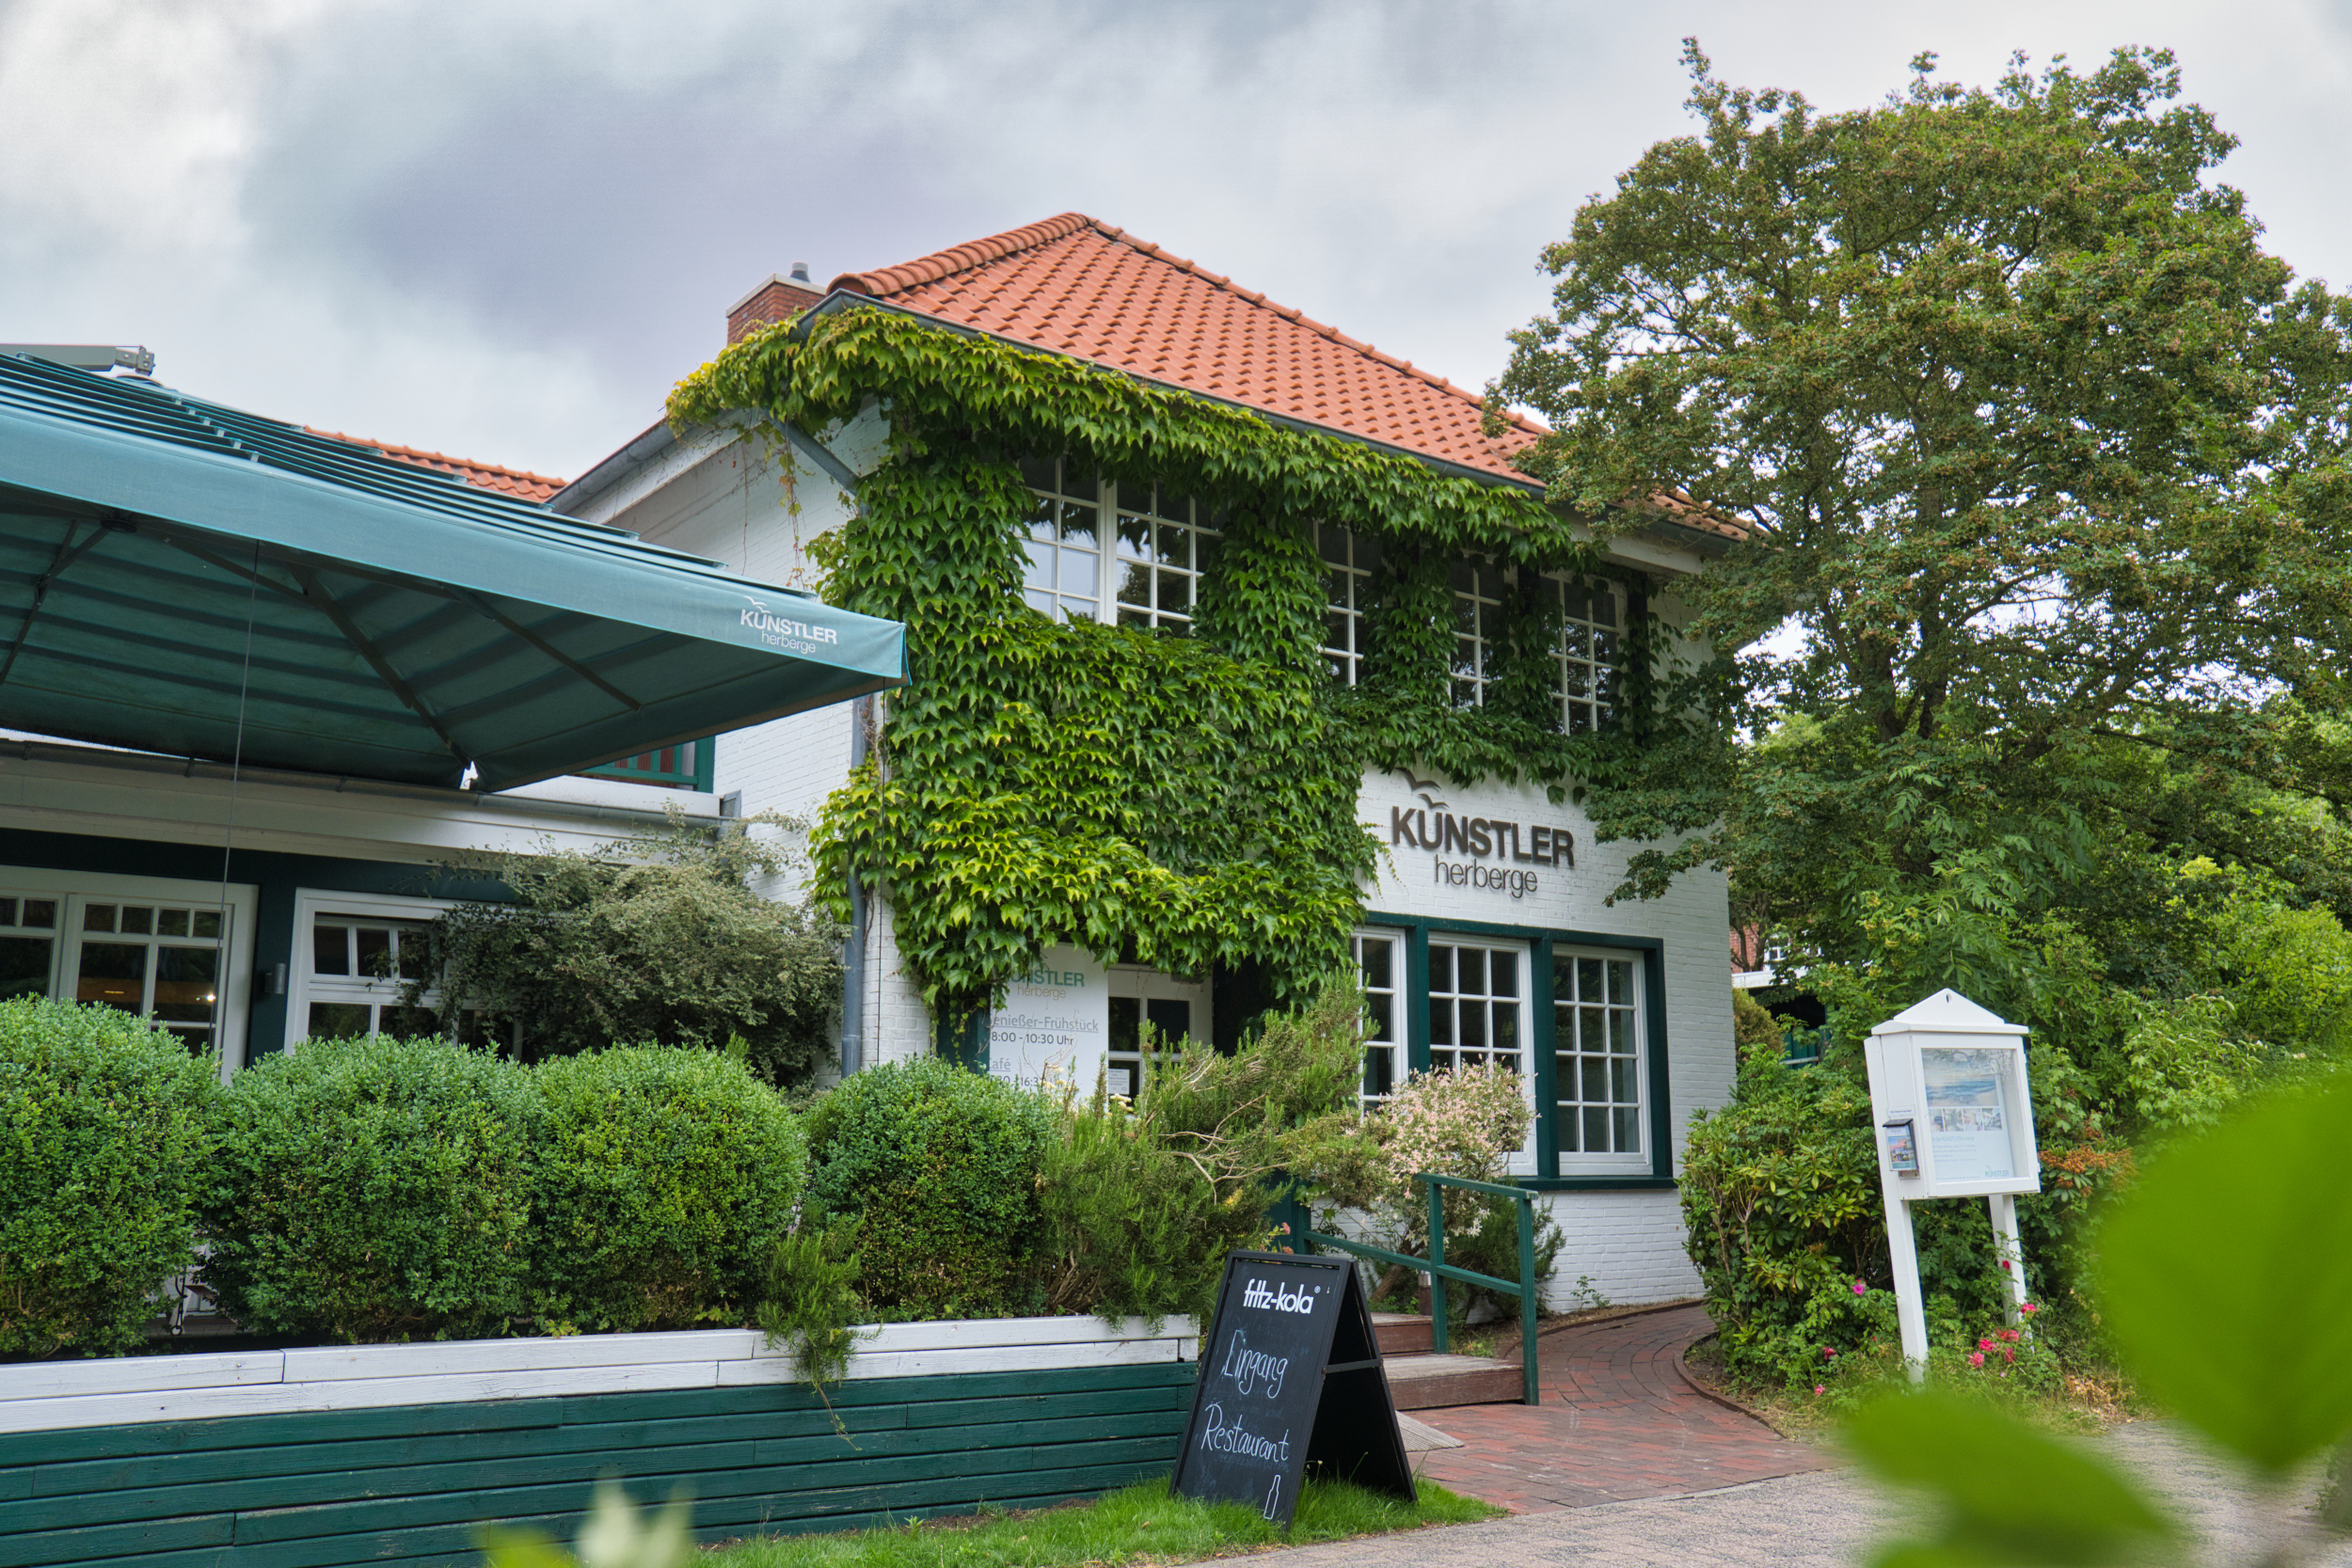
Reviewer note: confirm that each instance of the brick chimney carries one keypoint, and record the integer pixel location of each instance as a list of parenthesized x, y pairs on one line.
[(775, 300)]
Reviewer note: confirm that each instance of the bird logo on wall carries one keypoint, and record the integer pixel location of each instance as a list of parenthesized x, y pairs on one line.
[(1426, 788)]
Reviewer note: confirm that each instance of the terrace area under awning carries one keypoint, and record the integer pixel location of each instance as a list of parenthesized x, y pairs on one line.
[(183, 577)]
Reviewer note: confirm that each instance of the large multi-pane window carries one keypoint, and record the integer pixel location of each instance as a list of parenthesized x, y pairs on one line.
[(1474, 995), (1064, 577), (1349, 560), (1164, 545), (1597, 1058), (1381, 973), (1587, 652), (155, 948), (1478, 595)]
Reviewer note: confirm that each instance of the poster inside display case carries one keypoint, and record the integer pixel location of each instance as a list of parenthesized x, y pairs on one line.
[(1968, 1112)]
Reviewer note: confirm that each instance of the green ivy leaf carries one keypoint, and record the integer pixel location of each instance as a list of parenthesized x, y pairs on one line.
[(2227, 1280), (2008, 1493)]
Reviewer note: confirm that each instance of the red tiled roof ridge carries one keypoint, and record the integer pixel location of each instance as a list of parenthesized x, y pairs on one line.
[(486, 475), (944, 263)]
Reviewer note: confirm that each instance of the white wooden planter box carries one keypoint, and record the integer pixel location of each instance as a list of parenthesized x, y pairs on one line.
[(50, 1395)]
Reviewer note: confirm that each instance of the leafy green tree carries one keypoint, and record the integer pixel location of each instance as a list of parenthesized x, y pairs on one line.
[(2037, 447), (656, 939)]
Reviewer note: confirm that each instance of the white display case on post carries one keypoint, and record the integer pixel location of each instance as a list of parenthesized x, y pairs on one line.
[(1953, 1110)]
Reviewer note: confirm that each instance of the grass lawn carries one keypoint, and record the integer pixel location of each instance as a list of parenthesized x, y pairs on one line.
[(1139, 1525)]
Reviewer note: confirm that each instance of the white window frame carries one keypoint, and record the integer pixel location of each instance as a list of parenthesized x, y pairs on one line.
[(1159, 514), (1587, 648), (1522, 1160), (1632, 1013), (1143, 987), (75, 890), (1113, 556), (1348, 587), (1477, 622), (1398, 993), (303, 982)]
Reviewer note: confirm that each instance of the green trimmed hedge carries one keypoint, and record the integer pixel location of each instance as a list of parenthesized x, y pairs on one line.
[(386, 1189), (934, 1167), (374, 1189), (106, 1129), (661, 1180)]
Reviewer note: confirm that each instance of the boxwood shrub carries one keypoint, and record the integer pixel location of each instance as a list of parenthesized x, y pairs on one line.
[(935, 1168), (374, 1189), (661, 1180), (105, 1128)]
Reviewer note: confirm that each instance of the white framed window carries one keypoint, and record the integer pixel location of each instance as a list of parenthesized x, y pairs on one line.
[(1478, 998), (1064, 579), (1600, 1062), (1349, 558), (172, 951), (1588, 653), (1174, 1007), (354, 955), (1380, 972), (1477, 593), (1166, 544)]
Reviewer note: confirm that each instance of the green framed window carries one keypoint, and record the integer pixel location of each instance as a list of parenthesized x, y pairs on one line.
[(1579, 1015), (688, 764)]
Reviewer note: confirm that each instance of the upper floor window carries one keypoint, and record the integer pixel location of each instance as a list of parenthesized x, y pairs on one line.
[(1478, 593), (1164, 545), (1588, 652), (1064, 577), (1349, 558)]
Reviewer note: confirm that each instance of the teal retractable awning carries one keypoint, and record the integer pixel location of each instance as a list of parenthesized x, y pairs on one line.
[(166, 562)]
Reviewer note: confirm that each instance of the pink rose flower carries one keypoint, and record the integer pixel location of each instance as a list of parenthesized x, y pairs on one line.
[(2027, 1307), (1976, 1358), (1984, 1344), (1860, 1288), (1820, 1388)]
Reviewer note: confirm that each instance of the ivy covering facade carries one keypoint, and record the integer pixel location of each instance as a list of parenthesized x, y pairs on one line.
[(1186, 802)]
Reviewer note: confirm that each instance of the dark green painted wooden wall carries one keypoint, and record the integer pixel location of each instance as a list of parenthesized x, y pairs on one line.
[(412, 1484)]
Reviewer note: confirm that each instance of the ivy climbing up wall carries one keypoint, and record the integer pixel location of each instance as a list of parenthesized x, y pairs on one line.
[(1180, 801)]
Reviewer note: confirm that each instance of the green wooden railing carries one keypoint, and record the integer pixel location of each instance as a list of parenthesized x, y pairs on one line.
[(1438, 1269)]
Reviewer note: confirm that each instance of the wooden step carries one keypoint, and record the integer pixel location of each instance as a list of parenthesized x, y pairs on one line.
[(1402, 1332), (1433, 1382)]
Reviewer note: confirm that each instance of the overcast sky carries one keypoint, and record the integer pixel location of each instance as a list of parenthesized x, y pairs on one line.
[(504, 229)]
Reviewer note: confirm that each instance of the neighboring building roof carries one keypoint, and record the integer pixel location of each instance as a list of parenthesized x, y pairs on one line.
[(1077, 286), (517, 483)]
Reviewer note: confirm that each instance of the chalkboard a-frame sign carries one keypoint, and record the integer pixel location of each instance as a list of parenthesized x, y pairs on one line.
[(1290, 1380)]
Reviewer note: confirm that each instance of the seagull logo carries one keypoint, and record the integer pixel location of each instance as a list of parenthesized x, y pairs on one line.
[(755, 604), (1422, 787)]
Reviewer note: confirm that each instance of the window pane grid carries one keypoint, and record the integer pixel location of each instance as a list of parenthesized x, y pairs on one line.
[(1596, 1054), (1478, 593), (357, 965), (1588, 652), (1165, 544), (1349, 558), (1379, 967), (1473, 1008), (1064, 575)]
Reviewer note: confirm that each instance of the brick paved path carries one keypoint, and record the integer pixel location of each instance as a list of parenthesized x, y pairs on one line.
[(1617, 1422)]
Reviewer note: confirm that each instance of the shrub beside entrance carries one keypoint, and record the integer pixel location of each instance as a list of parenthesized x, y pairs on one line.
[(105, 1128)]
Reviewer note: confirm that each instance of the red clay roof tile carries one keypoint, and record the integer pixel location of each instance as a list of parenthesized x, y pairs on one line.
[(482, 476), (1080, 287)]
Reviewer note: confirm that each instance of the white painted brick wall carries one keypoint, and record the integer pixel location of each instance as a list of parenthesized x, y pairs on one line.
[(1629, 1243)]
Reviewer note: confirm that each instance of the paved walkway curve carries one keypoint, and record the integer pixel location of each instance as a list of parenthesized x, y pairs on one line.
[(1617, 1423)]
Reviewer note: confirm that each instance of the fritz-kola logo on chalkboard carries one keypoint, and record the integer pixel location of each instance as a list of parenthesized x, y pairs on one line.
[(1296, 1371), (1279, 1299)]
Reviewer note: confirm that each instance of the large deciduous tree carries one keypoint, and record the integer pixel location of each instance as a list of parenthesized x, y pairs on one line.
[(2040, 452)]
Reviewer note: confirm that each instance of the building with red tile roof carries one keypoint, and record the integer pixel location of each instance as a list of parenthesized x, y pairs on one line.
[(1077, 285), (517, 483)]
